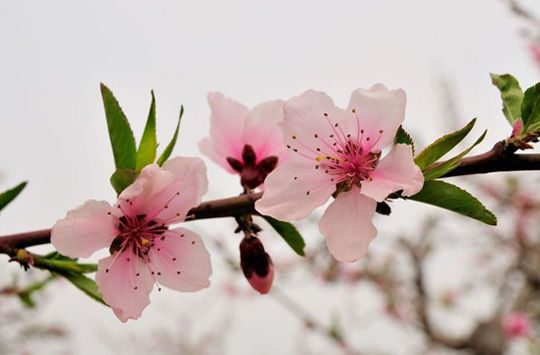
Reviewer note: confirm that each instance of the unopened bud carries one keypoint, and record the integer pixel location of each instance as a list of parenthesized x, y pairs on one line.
[(256, 264), (516, 324), (517, 127)]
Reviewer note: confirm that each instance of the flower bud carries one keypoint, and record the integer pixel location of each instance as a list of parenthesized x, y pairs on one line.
[(256, 264), (516, 324), (517, 127)]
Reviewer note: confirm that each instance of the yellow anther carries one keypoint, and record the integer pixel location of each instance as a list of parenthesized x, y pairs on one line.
[(144, 241), (329, 157)]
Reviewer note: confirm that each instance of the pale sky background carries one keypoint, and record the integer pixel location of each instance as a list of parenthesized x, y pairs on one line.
[(54, 54)]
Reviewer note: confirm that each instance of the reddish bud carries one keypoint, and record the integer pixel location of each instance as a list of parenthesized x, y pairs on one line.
[(256, 264), (516, 128), (516, 324)]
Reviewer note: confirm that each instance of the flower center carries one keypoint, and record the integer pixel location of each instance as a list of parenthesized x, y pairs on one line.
[(348, 157), (349, 163), (138, 234)]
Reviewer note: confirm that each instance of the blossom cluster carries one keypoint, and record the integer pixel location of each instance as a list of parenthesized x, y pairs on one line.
[(301, 153)]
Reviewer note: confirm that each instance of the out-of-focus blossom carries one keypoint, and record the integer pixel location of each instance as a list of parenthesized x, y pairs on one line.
[(534, 49), (338, 152), (256, 264), (516, 324), (245, 142), (144, 251)]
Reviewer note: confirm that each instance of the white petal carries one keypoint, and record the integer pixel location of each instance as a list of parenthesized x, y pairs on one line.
[(347, 225), (84, 230), (262, 132), (378, 109), (180, 261), (309, 123), (220, 158), (397, 171), (166, 193), (227, 123), (294, 190), (125, 282)]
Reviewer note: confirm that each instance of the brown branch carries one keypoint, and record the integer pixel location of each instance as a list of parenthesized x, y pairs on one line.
[(10, 243), (417, 255), (497, 159)]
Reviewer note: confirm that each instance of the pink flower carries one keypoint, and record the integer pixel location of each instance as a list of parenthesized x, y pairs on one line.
[(516, 324), (337, 152), (144, 251), (534, 48), (248, 143)]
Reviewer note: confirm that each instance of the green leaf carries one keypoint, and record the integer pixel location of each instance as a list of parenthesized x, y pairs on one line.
[(148, 145), (25, 295), (441, 146), (530, 109), (511, 95), (60, 263), (122, 178), (7, 196), (289, 233), (402, 137), (439, 170), (442, 194), (168, 150), (120, 133), (84, 284)]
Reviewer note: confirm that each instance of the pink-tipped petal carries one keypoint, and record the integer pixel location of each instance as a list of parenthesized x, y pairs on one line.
[(378, 109), (125, 283), (227, 122), (309, 120), (166, 193), (262, 132), (347, 225), (397, 171), (139, 197), (180, 261), (190, 184), (84, 230), (294, 190), (206, 147)]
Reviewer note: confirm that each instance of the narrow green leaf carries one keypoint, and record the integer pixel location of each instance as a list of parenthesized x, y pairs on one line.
[(402, 137), (84, 284), (168, 150), (530, 109), (25, 295), (120, 133), (511, 95), (122, 178), (437, 171), (442, 194), (63, 265), (289, 233), (7, 196), (148, 145), (441, 146)]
